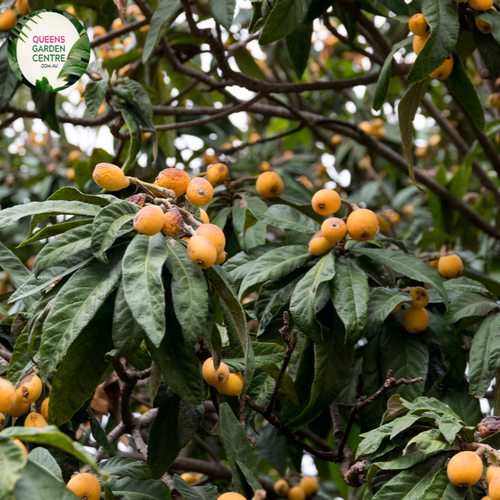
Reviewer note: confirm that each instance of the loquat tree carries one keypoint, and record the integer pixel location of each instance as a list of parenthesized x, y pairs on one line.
[(278, 276)]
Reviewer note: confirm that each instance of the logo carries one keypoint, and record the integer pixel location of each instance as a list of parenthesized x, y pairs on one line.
[(48, 50)]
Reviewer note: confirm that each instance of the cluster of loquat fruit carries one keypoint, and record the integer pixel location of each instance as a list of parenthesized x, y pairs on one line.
[(205, 244), (227, 383), (8, 18), (373, 127), (307, 489), (466, 468)]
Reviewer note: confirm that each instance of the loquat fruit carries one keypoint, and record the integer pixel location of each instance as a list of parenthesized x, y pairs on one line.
[(491, 472), (217, 174), (418, 25), (8, 396), (189, 477), (326, 202), (415, 320), (366, 127), (110, 177), (481, 4), (74, 155), (204, 216), (296, 493), (465, 469), (265, 166), (133, 10), (420, 297), (494, 488), (484, 27), (450, 266), (202, 252), (19, 409), (310, 486), (254, 136), (85, 485), (29, 389), (494, 100), (22, 446), (200, 192), (334, 229), (281, 488), (209, 158), (213, 377), (233, 386), (362, 224), (173, 224), (44, 409), (418, 43), (383, 223), (444, 71), (319, 245), (397, 308), (434, 263), (116, 24), (34, 419), (221, 258), (231, 496), (55, 153), (70, 174), (2, 419), (269, 185), (149, 220), (98, 31), (226, 145), (175, 179), (8, 20), (214, 234), (22, 7)]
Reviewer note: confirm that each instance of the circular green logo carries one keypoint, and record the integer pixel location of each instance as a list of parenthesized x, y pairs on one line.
[(48, 50)]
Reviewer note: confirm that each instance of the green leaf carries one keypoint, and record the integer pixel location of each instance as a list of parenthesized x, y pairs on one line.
[(265, 354), (142, 267), (12, 461), (449, 428), (189, 293), (428, 442), (44, 459), (9, 81), (45, 104), (78, 58), (488, 48), (303, 301), (238, 451), (99, 434), (223, 12), (350, 292), (135, 137), (126, 467), (462, 87), (408, 266), (469, 306), (464, 284), (74, 308), (94, 94), (407, 108), (442, 489), (54, 230), (442, 17), (283, 19), (107, 225), (11, 215), (484, 356), (188, 492), (385, 75), (492, 17), (298, 43), (163, 16), (247, 65), (86, 356), (380, 305), (132, 489)]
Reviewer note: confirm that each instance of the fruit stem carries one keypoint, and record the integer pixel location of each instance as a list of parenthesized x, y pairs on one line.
[(167, 192), (244, 179), (349, 205)]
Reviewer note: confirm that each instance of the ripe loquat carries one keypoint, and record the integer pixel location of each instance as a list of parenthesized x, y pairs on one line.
[(209, 158), (35, 420), (8, 396), (281, 488), (397, 308), (233, 386), (44, 409), (74, 155), (204, 216), (173, 224), (231, 496), (189, 477), (296, 493), (465, 469), (450, 266), (202, 252), (434, 263), (418, 25), (116, 24), (149, 220), (265, 166), (22, 446), (383, 223), (175, 179), (494, 100), (334, 229), (254, 136), (309, 485), (444, 71), (366, 127), (415, 320), (418, 43), (110, 177), (491, 472), (19, 409), (217, 174), (362, 224), (70, 174), (2, 419), (22, 7), (200, 192), (98, 31), (269, 185), (481, 4), (221, 258), (214, 234), (8, 20), (319, 245), (420, 297), (85, 485), (484, 27), (494, 488), (213, 377), (326, 202), (29, 389)]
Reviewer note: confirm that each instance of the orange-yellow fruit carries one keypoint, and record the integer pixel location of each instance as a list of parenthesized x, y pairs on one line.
[(296, 493), (334, 229), (309, 485), (23, 448), (226, 145), (254, 137), (494, 100), (491, 472), (379, 133), (29, 389), (434, 263), (397, 308), (418, 43), (415, 320), (281, 488), (8, 397), (35, 420), (22, 7), (70, 174), (74, 155), (481, 4), (269, 185), (213, 377), (209, 158), (71, 10), (326, 202), (383, 223), (420, 297), (133, 10), (2, 419), (200, 192), (231, 496), (217, 174), (85, 486), (214, 234), (8, 20), (204, 216), (19, 409), (127, 41), (233, 386), (110, 177), (444, 71), (319, 245), (44, 409), (265, 166), (143, 29), (173, 224), (483, 26), (116, 24), (450, 266), (221, 258), (494, 488), (149, 220), (418, 25), (189, 478), (465, 469), (202, 252), (366, 127), (175, 179), (362, 224), (98, 31)]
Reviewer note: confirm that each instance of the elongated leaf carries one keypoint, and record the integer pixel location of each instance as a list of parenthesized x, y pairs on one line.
[(94, 94), (163, 17), (408, 266), (44, 459), (142, 267), (12, 462), (464, 284), (429, 442), (442, 489), (107, 225), (99, 434), (298, 43), (207, 492), (54, 230), (223, 11), (303, 301), (126, 467), (189, 293), (9, 81), (132, 489), (469, 306), (442, 17), (449, 428), (75, 306)]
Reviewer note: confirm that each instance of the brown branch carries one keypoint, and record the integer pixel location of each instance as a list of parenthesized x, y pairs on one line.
[(111, 35), (5, 354)]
